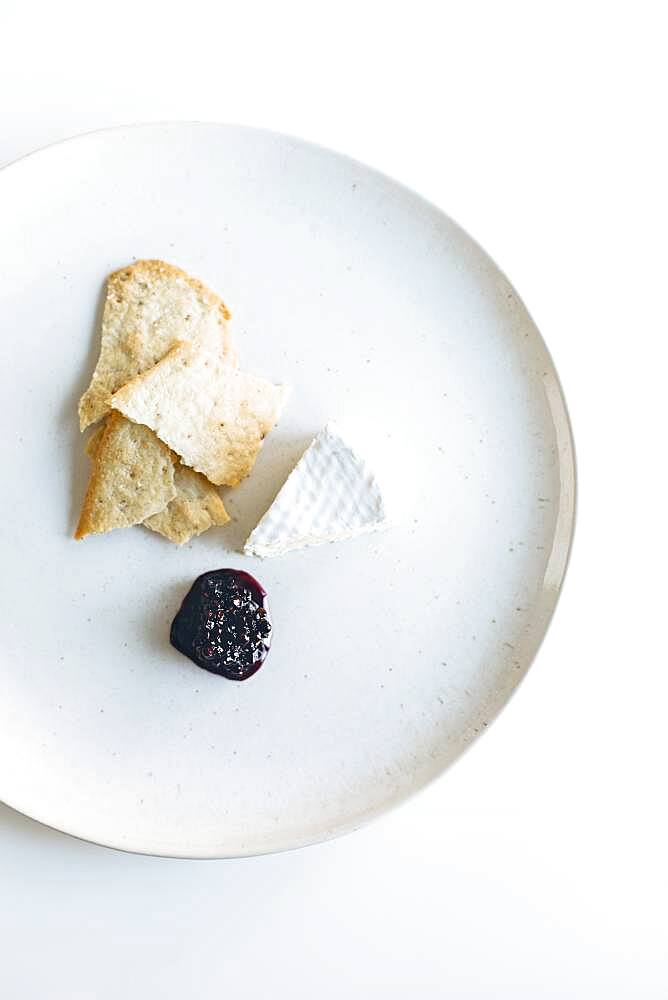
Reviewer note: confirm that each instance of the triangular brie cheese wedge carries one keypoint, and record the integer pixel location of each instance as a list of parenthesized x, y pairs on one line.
[(330, 495)]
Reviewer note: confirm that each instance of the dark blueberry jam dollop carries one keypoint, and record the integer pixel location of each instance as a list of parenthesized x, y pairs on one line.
[(223, 624)]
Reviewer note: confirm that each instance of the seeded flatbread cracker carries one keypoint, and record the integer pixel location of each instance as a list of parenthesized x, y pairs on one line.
[(211, 414), (149, 306), (132, 477), (195, 508)]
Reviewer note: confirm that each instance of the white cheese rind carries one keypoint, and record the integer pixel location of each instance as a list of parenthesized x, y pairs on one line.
[(329, 496)]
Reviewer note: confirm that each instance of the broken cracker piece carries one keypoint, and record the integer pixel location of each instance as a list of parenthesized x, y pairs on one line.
[(212, 415), (93, 441), (132, 477), (149, 306), (195, 508)]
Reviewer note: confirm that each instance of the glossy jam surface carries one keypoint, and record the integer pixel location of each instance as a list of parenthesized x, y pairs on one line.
[(224, 625)]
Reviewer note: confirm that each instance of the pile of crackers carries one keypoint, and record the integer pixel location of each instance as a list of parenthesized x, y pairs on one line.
[(176, 417)]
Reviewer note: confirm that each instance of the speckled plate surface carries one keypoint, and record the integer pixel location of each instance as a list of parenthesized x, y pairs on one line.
[(392, 651)]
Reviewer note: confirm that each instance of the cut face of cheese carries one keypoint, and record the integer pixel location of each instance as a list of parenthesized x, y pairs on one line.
[(330, 495)]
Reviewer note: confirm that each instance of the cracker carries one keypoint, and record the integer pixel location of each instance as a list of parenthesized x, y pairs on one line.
[(132, 477), (148, 307), (195, 508), (93, 441), (211, 414)]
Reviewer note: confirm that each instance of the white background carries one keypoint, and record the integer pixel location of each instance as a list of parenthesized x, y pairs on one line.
[(537, 866)]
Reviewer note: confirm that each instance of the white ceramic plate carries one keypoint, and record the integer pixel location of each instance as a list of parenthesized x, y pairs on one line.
[(391, 652)]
